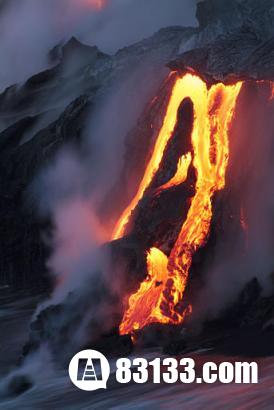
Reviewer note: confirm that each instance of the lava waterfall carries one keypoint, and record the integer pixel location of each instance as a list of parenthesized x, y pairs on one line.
[(158, 297)]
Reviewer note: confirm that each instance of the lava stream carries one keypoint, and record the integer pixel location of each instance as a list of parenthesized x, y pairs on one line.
[(157, 298)]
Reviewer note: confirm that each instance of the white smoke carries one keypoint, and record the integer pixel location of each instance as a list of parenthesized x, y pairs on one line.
[(71, 189)]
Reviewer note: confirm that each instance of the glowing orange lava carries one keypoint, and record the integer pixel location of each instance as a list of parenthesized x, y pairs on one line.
[(272, 91), (180, 175), (157, 298), (94, 4)]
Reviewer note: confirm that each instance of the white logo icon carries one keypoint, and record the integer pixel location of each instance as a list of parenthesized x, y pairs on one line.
[(89, 370)]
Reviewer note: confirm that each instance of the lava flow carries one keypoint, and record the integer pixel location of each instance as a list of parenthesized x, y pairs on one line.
[(158, 296)]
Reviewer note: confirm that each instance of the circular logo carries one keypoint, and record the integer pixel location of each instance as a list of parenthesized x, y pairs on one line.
[(89, 370)]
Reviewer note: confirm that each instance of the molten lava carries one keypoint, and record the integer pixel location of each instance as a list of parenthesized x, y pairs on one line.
[(158, 296), (180, 175), (272, 91)]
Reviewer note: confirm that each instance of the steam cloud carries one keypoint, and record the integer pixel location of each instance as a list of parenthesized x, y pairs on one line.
[(30, 28)]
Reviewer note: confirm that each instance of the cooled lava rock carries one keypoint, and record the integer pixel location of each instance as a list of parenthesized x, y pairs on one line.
[(18, 385)]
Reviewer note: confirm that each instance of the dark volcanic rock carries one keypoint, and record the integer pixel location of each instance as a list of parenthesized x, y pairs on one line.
[(223, 17), (158, 218), (18, 385), (220, 60), (12, 136), (175, 347), (245, 328), (235, 40), (89, 316), (22, 252), (239, 56), (114, 345), (220, 18), (252, 308)]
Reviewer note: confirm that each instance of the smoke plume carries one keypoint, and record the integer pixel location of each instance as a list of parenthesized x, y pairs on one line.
[(30, 28)]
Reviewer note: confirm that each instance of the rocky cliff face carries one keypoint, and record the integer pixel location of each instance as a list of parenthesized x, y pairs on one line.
[(235, 40)]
